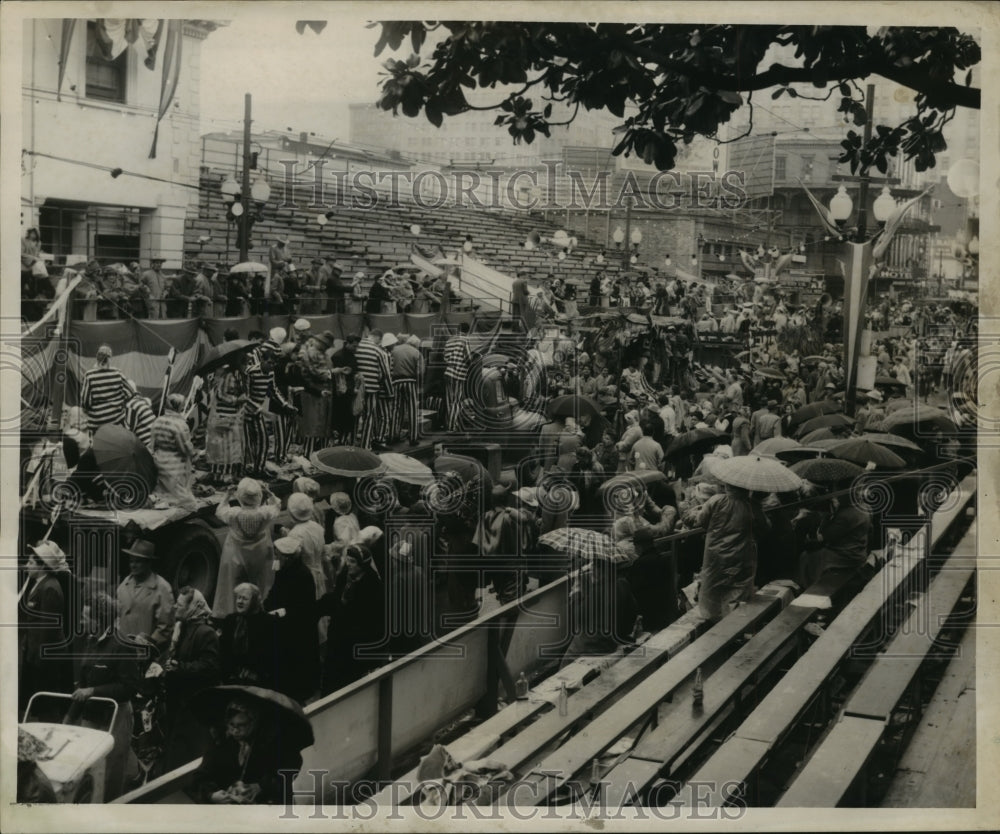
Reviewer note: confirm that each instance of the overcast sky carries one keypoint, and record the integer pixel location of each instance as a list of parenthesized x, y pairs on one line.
[(297, 81)]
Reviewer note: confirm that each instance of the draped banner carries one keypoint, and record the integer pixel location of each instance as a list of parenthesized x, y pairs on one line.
[(68, 25), (171, 73), (857, 270)]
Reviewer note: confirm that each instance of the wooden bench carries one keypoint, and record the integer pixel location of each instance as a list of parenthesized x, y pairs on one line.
[(839, 762), (600, 733)]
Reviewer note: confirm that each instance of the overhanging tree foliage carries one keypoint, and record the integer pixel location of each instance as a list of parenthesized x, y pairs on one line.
[(684, 80)]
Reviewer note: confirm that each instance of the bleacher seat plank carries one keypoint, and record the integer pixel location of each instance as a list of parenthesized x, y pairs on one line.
[(956, 505), (841, 756), (832, 770), (791, 696), (603, 730), (680, 727)]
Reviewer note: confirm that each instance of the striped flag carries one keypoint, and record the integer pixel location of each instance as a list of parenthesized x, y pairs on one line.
[(858, 270)]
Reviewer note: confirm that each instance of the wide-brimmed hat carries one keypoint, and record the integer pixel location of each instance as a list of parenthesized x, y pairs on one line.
[(326, 338), (277, 334), (288, 545), (141, 549), (50, 555), (389, 339), (300, 506), (301, 325), (340, 502)]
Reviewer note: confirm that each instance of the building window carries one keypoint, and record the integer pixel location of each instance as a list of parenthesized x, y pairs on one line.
[(779, 167), (105, 75), (807, 168)]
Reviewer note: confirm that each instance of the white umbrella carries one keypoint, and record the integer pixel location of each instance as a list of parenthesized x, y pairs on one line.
[(249, 267), (754, 472), (406, 469)]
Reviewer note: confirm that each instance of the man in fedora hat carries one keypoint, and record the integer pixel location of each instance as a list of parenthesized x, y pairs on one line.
[(181, 293), (145, 600), (333, 285), (311, 303)]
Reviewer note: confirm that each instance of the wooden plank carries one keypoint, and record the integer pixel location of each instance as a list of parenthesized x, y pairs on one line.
[(829, 774), (942, 519), (681, 727), (892, 672), (602, 731), (783, 705), (938, 768), (743, 756)]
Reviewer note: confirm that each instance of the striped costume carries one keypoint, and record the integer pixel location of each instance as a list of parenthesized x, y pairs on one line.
[(259, 384), (103, 396), (224, 432), (173, 451), (139, 417), (373, 365), (457, 361), (407, 375)]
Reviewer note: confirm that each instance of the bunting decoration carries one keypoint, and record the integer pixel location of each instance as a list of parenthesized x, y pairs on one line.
[(171, 73), (857, 273), (68, 26)]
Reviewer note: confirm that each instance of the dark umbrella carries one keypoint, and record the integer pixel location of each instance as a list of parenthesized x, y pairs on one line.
[(827, 421), (799, 453), (770, 373), (572, 405), (294, 728), (886, 439), (468, 469), (817, 409), (862, 452), (773, 445), (121, 457), (348, 461), (819, 434), (914, 419), (889, 382), (224, 353), (826, 470), (691, 441), (815, 360)]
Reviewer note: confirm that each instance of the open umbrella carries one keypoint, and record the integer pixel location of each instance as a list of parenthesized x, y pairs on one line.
[(572, 405), (799, 453), (816, 409), (827, 421), (888, 382), (224, 353), (826, 470), (754, 472), (293, 727), (817, 435), (121, 458), (249, 267), (814, 360), (348, 461), (886, 439), (825, 443), (863, 452), (691, 441), (898, 403), (770, 373), (921, 418), (775, 444), (406, 469)]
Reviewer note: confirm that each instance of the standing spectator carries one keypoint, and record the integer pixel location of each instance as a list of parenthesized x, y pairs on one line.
[(840, 546), (742, 442), (259, 381), (145, 601), (730, 555), (330, 285), (181, 294), (277, 258), (204, 293), (407, 376), (292, 599), (247, 555), (310, 533), (218, 292), (374, 368), (246, 640), (646, 453), (106, 665), (153, 285), (139, 415), (312, 374), (105, 392), (312, 302), (356, 610), (43, 622), (764, 423), (192, 663), (458, 362), (237, 294)]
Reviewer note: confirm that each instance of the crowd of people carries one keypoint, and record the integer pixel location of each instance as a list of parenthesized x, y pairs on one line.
[(310, 589)]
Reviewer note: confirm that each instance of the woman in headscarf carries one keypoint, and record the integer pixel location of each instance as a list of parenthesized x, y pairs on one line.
[(356, 610), (248, 763), (42, 622), (247, 639), (247, 554), (224, 427), (173, 452), (192, 663)]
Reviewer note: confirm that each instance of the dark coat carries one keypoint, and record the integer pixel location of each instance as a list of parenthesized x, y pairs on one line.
[(248, 655), (220, 768), (110, 664), (200, 666), (356, 618), (296, 672), (42, 623)]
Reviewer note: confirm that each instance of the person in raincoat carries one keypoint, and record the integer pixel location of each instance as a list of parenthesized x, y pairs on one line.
[(504, 534), (292, 601), (310, 533), (247, 554), (729, 563)]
